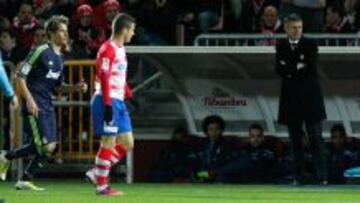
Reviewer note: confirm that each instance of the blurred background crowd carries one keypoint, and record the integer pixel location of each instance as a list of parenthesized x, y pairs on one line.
[(165, 22)]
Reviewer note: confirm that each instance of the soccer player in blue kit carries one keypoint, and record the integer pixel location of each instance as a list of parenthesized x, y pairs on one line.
[(38, 78)]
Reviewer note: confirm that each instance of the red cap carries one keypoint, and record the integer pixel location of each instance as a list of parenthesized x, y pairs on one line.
[(40, 3), (80, 2), (111, 4), (84, 9)]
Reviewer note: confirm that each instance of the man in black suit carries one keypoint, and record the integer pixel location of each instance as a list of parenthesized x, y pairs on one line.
[(301, 100)]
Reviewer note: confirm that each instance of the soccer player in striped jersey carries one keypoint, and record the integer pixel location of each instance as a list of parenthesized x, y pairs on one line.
[(38, 77), (109, 113)]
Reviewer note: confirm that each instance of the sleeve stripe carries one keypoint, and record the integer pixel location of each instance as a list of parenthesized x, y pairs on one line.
[(24, 70), (30, 60), (35, 55)]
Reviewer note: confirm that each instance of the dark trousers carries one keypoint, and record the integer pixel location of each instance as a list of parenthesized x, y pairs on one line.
[(314, 133)]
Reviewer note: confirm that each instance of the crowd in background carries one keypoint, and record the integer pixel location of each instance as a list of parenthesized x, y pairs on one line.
[(165, 22)]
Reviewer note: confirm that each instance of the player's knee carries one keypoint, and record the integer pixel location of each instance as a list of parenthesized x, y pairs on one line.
[(126, 140), (128, 145), (108, 142)]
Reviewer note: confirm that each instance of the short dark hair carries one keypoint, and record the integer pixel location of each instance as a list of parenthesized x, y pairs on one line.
[(25, 2), (10, 31), (257, 127), (213, 119), (121, 21), (336, 7), (52, 25), (293, 17), (340, 128)]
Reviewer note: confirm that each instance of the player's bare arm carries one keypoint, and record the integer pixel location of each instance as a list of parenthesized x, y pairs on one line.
[(25, 93)]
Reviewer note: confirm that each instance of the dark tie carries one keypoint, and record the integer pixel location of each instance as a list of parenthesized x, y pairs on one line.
[(294, 45)]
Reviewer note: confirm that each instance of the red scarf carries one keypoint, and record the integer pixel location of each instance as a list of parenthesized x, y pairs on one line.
[(25, 27)]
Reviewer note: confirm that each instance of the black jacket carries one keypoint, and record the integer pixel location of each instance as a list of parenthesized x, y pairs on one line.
[(301, 98)]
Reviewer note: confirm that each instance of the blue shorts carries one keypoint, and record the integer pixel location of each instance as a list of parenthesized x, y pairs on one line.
[(121, 120), (40, 130)]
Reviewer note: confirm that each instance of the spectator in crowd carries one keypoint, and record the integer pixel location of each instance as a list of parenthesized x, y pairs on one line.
[(338, 2), (7, 43), (177, 161), (4, 23), (199, 16), (270, 21), (111, 9), (342, 154), (301, 101), (233, 11), (24, 25), (270, 24), (252, 13), (39, 37), (68, 7), (203, 13), (352, 8), (162, 13), (44, 9), (311, 11), (336, 21), (357, 17), (349, 5), (10, 51), (86, 38), (9, 8)]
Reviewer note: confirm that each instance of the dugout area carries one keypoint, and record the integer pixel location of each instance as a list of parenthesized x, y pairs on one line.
[(181, 85)]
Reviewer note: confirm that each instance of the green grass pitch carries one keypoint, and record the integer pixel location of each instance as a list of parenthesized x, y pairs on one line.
[(75, 191)]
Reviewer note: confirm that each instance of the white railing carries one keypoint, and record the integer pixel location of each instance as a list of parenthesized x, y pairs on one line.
[(265, 39)]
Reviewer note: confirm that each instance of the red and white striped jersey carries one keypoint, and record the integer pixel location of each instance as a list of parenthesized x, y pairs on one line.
[(111, 69)]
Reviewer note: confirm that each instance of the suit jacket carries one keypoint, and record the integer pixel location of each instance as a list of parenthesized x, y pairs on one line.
[(300, 98)]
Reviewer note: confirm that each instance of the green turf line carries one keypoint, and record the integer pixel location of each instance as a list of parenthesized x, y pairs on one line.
[(78, 191)]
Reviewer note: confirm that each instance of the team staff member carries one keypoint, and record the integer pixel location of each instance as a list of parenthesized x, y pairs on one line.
[(301, 100)]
